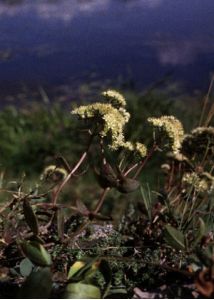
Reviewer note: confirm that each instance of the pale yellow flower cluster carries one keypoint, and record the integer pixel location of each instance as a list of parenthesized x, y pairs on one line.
[(114, 97), (209, 131), (49, 169), (125, 114), (204, 183), (53, 169), (128, 146), (140, 148), (113, 120), (173, 129)]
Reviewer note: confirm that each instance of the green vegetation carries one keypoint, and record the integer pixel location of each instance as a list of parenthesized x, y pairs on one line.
[(116, 200)]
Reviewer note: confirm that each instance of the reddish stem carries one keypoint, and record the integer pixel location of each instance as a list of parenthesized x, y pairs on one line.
[(81, 160), (154, 147), (131, 168), (101, 200), (56, 194)]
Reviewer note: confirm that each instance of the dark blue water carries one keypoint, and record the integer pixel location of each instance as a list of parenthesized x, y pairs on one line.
[(66, 42)]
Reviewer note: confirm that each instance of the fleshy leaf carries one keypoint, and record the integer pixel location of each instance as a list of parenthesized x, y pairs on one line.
[(30, 217), (83, 270), (117, 293), (75, 268), (82, 291), (25, 267), (36, 253)]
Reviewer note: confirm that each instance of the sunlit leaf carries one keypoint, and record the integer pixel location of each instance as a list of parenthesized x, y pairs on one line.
[(84, 269), (75, 268), (36, 253), (117, 293), (82, 291)]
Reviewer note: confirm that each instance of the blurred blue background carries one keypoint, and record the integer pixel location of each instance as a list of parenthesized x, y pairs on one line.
[(61, 44)]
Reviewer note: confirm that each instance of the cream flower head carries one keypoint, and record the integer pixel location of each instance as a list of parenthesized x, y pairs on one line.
[(113, 116), (113, 120), (173, 129), (199, 184), (114, 98)]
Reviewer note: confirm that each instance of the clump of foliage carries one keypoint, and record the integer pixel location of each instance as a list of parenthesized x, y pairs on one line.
[(31, 137), (73, 249)]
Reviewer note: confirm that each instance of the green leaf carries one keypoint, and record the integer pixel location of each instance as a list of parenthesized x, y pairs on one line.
[(128, 185), (82, 291), (82, 270), (36, 253), (117, 293), (200, 232), (75, 268), (30, 217), (147, 201), (38, 285), (25, 267), (174, 237)]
